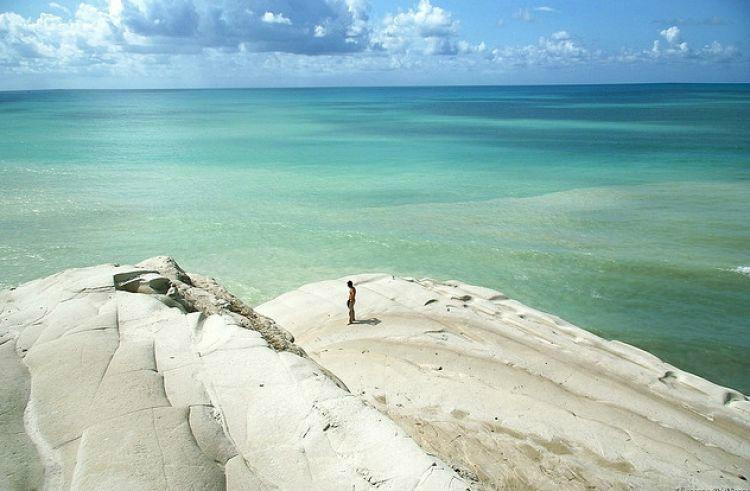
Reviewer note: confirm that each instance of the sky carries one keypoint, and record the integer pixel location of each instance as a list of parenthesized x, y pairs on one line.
[(294, 43)]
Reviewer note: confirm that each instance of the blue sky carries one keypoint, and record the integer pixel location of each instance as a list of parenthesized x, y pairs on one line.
[(247, 43)]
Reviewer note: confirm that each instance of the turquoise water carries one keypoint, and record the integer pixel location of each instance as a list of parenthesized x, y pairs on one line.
[(624, 209)]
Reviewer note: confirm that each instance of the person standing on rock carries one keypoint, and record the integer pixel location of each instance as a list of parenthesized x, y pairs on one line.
[(350, 302)]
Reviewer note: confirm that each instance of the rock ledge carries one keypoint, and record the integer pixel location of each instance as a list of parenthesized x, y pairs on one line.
[(147, 377)]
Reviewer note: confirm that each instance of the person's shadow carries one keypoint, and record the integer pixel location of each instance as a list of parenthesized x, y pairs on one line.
[(374, 321)]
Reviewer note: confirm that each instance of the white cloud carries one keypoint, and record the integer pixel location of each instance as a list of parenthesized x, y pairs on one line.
[(670, 50), (671, 34), (271, 18), (177, 38), (714, 20), (132, 37), (464, 47), (358, 27), (524, 15), (426, 21), (426, 29), (262, 25), (677, 50), (561, 47), (61, 8), (558, 49), (673, 48), (719, 52), (51, 41), (115, 8)]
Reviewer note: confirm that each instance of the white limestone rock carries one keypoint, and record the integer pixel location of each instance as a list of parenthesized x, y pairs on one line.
[(122, 377), (20, 465), (516, 398)]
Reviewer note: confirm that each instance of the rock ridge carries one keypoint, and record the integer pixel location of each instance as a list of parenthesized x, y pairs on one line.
[(148, 377)]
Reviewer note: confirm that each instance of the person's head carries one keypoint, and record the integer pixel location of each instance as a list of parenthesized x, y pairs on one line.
[(350, 284)]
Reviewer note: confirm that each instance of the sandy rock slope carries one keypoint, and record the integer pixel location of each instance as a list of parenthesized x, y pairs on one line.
[(517, 398)]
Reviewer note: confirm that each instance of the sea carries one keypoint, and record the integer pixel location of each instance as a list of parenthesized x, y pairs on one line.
[(624, 209)]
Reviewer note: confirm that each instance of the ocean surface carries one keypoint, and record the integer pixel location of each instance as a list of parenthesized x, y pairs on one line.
[(624, 209)]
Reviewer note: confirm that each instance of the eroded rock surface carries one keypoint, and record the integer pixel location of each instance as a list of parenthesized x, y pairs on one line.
[(514, 398), (146, 377)]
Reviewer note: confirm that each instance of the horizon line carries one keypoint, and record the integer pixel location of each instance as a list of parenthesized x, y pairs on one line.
[(415, 86)]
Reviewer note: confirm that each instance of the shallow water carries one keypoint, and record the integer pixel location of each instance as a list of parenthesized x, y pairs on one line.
[(623, 209)]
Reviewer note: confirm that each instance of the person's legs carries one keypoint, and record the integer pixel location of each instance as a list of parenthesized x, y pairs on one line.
[(351, 312)]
